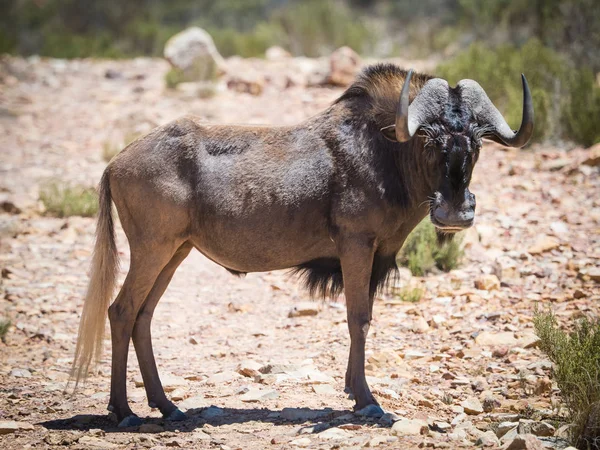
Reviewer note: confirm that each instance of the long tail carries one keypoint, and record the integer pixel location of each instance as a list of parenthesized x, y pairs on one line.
[(105, 266)]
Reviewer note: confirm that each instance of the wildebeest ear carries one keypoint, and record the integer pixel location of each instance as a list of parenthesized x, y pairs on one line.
[(389, 133)]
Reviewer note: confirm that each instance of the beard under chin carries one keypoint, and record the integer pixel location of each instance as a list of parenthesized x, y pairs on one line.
[(444, 237)]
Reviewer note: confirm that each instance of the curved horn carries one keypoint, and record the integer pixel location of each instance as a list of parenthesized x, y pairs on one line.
[(427, 105), (486, 114), (402, 132)]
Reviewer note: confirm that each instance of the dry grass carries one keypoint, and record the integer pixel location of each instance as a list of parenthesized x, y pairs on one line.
[(61, 200)]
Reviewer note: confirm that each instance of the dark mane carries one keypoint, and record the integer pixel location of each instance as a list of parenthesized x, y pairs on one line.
[(380, 86)]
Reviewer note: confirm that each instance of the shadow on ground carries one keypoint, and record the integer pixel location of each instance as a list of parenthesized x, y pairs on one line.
[(318, 419)]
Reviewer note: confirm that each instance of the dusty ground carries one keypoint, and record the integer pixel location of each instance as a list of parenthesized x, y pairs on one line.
[(538, 230)]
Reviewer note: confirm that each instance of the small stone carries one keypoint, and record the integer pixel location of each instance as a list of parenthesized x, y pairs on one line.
[(93, 442), (489, 402), (279, 368), (505, 427), (171, 382), (334, 433), (487, 282), (525, 442), (378, 440), (249, 368), (472, 406), (305, 309), (316, 377), (324, 389), (20, 373), (150, 428), (259, 395), (542, 386), (8, 426), (195, 402), (409, 427), (212, 412), (178, 395), (542, 429), (444, 426), (543, 244), (414, 354), (420, 325), (200, 435), (388, 419), (488, 338), (301, 442), (500, 352), (223, 377), (488, 439), (529, 341), (302, 414)]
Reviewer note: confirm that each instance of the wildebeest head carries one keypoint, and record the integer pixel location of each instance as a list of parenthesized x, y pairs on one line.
[(453, 121)]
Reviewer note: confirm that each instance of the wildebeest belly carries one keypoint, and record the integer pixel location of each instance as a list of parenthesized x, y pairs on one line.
[(256, 214), (257, 243)]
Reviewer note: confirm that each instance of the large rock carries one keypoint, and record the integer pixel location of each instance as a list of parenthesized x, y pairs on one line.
[(344, 65), (193, 54)]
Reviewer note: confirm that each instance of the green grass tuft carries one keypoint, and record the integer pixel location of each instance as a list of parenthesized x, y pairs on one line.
[(409, 294), (576, 358), (422, 252), (4, 327), (61, 200)]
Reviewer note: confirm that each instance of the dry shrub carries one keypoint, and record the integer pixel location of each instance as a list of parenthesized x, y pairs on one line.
[(576, 358)]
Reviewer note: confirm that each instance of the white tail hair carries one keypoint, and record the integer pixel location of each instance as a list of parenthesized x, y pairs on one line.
[(104, 270)]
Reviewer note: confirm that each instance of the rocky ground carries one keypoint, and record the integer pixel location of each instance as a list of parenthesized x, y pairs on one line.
[(255, 363)]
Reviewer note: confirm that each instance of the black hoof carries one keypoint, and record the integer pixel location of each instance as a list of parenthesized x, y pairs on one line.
[(130, 421), (176, 416), (371, 411)]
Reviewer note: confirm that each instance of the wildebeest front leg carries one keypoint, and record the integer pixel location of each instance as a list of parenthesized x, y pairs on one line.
[(356, 256), (348, 386)]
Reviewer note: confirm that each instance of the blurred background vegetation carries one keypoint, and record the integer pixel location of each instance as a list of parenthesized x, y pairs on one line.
[(555, 42)]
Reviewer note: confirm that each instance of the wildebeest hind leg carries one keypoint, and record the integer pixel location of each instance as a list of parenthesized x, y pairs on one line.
[(142, 339), (147, 262)]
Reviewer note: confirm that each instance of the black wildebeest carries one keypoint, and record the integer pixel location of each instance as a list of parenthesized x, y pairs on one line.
[(333, 198)]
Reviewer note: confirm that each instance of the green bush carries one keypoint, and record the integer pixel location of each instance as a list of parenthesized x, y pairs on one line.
[(316, 27), (422, 252), (4, 327), (409, 294), (566, 100), (576, 358), (230, 41), (61, 200)]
